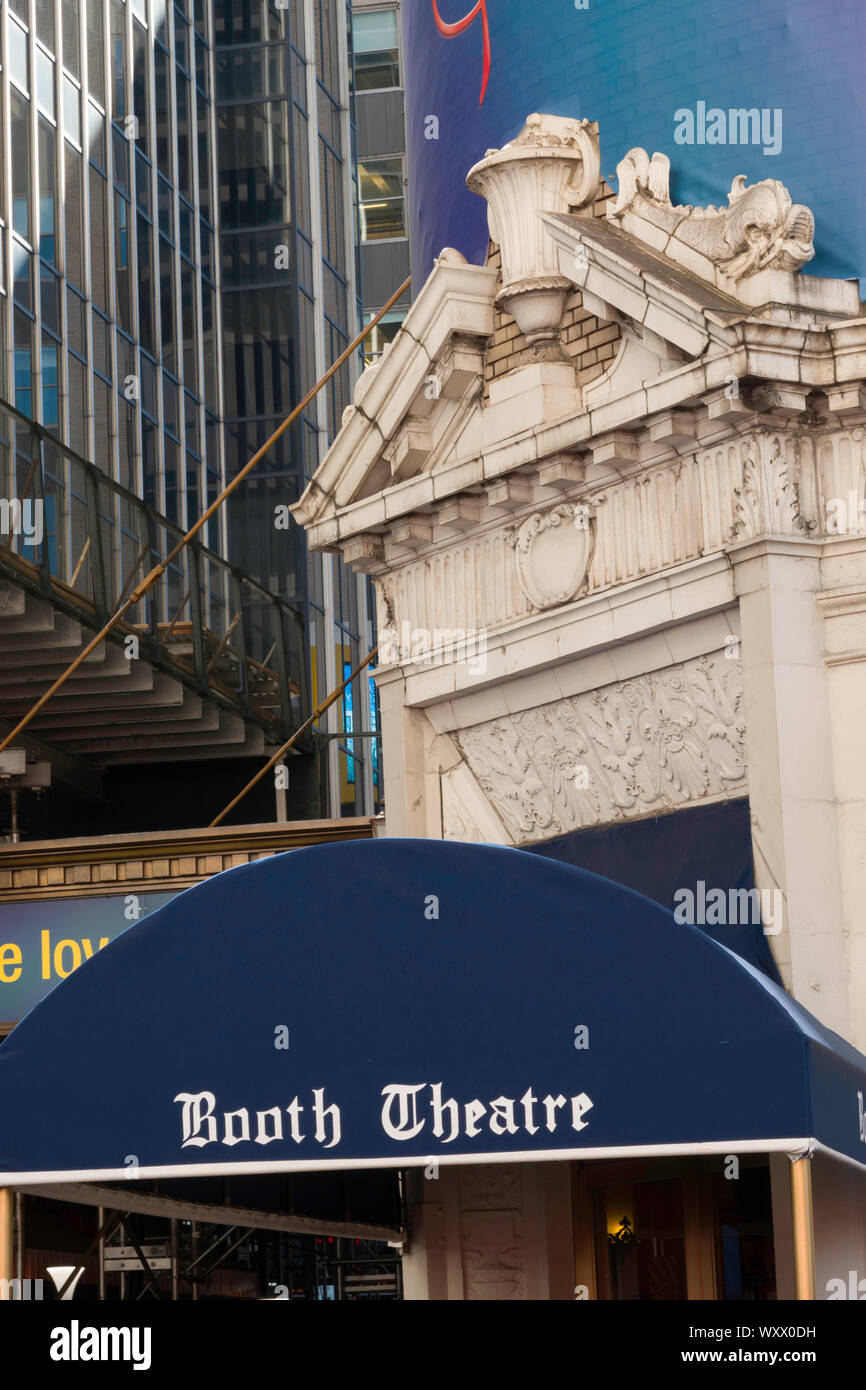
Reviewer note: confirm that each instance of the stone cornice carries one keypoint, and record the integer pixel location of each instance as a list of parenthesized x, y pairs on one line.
[(632, 279), (665, 541), (154, 862), (699, 389), (584, 629), (620, 258), (413, 467), (805, 547)]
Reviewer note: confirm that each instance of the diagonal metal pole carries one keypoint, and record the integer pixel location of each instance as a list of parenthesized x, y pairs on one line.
[(151, 1274), (244, 1235), (326, 704), (105, 1229), (158, 571), (229, 1231)]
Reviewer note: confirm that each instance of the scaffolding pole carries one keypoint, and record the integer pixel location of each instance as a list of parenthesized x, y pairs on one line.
[(7, 1243), (140, 590)]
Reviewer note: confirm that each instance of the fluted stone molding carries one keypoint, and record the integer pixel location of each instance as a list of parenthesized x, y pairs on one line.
[(766, 482), (551, 166), (655, 743)]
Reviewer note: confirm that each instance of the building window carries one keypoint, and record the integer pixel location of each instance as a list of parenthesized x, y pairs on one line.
[(16, 56), (45, 82), (49, 297), (22, 363), (22, 276), (50, 417), (71, 110), (118, 64), (381, 194), (20, 110), (384, 332), (47, 181), (375, 45)]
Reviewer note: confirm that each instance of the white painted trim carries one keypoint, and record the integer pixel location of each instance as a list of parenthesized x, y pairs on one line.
[(819, 1148), (794, 1148)]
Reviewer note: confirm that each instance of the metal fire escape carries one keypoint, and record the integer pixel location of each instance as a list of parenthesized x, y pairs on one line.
[(209, 665)]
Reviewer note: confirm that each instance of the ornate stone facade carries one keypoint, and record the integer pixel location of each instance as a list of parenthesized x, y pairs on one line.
[(714, 466), (760, 229), (664, 740), (768, 481), (630, 584)]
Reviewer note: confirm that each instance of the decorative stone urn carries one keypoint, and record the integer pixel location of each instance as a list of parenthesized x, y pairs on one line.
[(551, 166)]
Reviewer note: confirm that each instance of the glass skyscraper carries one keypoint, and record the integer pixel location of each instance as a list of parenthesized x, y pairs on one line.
[(179, 266)]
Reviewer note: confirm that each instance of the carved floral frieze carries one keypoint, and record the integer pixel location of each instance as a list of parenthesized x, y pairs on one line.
[(654, 743), (767, 498)]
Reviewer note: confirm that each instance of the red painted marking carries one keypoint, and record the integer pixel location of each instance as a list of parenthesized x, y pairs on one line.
[(450, 31)]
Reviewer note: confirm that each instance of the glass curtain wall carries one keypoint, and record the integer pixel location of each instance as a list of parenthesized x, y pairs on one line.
[(108, 220), (178, 216), (290, 305)]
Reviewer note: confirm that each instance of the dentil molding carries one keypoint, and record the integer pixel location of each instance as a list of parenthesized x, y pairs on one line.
[(764, 482)]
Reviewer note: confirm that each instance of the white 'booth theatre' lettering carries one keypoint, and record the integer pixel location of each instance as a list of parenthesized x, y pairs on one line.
[(406, 1112), (401, 1120)]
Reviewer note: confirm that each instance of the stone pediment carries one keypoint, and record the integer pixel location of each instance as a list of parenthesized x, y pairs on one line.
[(619, 274), (390, 430), (481, 406)]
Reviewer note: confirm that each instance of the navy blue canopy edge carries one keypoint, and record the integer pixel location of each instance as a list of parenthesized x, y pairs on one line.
[(395, 1002)]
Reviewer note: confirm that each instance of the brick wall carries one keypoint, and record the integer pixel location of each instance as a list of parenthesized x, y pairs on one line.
[(592, 342)]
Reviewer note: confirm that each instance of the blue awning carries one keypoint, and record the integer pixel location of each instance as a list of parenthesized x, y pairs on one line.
[(397, 1002)]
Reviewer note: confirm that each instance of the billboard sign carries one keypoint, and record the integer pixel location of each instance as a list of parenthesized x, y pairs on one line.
[(722, 87), (41, 943)]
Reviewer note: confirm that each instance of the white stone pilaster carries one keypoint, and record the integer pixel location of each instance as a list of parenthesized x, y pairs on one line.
[(844, 610), (413, 802), (790, 767)]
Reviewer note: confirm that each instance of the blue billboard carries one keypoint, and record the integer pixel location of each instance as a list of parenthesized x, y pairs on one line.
[(663, 74), (43, 942)]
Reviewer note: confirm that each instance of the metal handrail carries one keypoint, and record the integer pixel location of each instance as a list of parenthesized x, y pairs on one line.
[(226, 610), (116, 622)]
